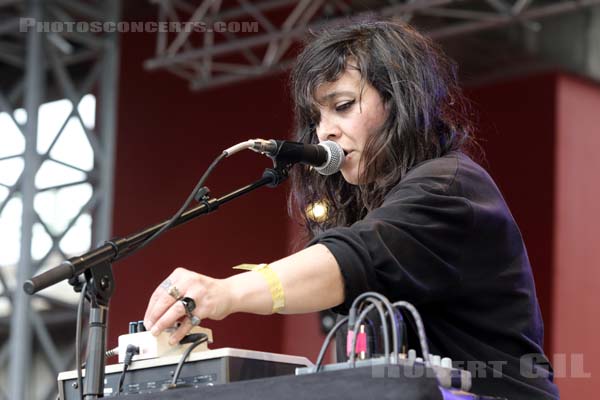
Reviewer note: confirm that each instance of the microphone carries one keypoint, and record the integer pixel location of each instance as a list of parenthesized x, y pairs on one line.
[(326, 157)]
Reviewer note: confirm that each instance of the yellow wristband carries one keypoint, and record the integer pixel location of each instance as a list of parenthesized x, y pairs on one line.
[(272, 280)]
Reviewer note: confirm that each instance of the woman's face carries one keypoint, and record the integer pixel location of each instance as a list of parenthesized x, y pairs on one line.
[(350, 114)]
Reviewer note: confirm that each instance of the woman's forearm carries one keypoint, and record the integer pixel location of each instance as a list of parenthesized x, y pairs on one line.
[(310, 278)]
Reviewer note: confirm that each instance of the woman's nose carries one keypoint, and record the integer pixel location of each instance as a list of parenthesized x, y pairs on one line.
[(327, 130)]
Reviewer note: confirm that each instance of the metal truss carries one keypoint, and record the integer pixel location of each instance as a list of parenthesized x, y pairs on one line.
[(213, 49), (42, 65)]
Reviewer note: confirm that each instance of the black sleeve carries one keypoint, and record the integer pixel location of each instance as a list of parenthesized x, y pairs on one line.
[(410, 247)]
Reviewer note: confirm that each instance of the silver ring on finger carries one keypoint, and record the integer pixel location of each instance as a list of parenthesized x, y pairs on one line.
[(195, 320)]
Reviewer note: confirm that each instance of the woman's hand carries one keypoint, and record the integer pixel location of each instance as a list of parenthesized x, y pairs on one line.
[(311, 281), (212, 298)]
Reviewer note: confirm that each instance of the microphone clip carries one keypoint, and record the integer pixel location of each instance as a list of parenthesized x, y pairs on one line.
[(276, 174)]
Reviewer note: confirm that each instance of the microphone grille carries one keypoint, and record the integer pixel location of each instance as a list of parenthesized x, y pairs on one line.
[(335, 157)]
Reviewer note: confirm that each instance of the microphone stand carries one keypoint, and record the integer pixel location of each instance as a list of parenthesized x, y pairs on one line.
[(96, 265)]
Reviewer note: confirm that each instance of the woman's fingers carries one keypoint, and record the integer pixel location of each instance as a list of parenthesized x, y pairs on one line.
[(159, 308), (184, 328), (160, 290), (168, 319), (212, 299), (167, 294)]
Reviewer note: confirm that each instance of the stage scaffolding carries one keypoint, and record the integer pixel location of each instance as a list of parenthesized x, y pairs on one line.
[(218, 54), (40, 66)]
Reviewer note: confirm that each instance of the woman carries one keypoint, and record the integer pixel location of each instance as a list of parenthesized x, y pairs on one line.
[(409, 215)]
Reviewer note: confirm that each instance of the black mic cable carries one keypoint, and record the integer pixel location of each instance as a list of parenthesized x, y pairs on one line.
[(326, 157)]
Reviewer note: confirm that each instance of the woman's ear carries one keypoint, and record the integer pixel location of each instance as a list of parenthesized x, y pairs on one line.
[(387, 104), (387, 107)]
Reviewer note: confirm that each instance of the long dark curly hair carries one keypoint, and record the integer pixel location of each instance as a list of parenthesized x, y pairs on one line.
[(427, 115)]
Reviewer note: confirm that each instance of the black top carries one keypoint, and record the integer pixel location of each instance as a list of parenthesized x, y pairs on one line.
[(445, 240)]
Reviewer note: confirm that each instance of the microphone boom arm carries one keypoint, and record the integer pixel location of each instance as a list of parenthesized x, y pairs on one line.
[(115, 249)]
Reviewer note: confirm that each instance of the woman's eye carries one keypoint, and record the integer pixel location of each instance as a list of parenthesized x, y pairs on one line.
[(344, 106)]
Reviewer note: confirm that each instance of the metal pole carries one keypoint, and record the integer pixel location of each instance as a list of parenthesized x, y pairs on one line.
[(107, 114), (21, 335), (93, 386)]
